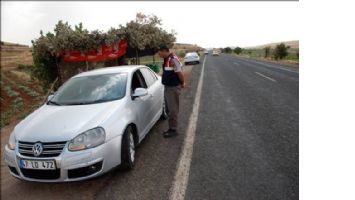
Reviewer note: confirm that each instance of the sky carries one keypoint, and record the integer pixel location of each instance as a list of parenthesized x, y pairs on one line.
[(207, 24)]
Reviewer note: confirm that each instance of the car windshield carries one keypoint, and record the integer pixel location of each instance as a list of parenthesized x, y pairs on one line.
[(91, 89)]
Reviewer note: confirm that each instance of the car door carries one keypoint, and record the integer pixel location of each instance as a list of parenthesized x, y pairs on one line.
[(158, 93), (140, 105), (153, 91)]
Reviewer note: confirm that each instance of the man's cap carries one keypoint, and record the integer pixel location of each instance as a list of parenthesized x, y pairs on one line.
[(163, 47)]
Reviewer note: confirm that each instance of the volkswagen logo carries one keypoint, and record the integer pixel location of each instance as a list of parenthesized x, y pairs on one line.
[(37, 149)]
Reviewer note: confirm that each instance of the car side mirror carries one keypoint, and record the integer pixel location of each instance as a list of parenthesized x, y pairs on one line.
[(139, 92), (49, 97)]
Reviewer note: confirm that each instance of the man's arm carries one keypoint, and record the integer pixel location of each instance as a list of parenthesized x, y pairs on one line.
[(178, 71), (181, 78)]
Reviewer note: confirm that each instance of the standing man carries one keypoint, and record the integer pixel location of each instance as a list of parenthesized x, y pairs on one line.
[(173, 81)]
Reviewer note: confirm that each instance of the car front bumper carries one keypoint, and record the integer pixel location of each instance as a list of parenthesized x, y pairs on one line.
[(71, 165)]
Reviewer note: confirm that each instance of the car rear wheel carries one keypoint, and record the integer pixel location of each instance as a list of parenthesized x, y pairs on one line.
[(128, 149)]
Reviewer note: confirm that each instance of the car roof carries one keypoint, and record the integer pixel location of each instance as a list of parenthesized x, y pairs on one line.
[(110, 70)]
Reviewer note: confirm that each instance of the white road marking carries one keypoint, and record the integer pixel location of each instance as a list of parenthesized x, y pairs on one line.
[(178, 189), (236, 63), (262, 75), (271, 66)]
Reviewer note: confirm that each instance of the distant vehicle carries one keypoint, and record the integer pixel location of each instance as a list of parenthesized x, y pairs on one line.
[(206, 52), (89, 126), (191, 57), (215, 53)]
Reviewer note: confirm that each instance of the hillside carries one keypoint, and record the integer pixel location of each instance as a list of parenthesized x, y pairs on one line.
[(14, 54), (19, 94), (294, 44), (186, 47)]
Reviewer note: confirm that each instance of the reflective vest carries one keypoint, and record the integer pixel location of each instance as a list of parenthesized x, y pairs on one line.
[(170, 78)]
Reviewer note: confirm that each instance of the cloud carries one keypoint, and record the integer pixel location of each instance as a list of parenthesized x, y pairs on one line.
[(209, 24)]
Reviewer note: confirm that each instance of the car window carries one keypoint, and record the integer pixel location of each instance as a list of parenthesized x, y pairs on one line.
[(154, 75), (149, 78), (138, 81)]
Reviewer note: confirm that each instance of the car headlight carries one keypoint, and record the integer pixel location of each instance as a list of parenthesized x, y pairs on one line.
[(12, 142), (89, 139)]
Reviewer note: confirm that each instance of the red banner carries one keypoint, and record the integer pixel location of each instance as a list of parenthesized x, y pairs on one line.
[(102, 53)]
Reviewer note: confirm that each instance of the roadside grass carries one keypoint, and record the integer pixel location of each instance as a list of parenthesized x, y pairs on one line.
[(28, 91), (25, 68), (16, 108), (10, 92), (292, 56)]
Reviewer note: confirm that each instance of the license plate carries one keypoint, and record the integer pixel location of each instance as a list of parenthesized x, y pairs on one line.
[(38, 164)]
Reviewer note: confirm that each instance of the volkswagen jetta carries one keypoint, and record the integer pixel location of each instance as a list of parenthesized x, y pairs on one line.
[(90, 125)]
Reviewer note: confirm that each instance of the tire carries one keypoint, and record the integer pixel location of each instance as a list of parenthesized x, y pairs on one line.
[(128, 149), (198, 62), (164, 114), (186, 63)]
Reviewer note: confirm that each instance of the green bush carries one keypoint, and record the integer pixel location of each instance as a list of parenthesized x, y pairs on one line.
[(227, 50), (280, 51), (154, 67), (237, 50), (181, 54)]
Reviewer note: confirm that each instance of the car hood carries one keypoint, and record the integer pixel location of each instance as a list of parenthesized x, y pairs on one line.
[(52, 123)]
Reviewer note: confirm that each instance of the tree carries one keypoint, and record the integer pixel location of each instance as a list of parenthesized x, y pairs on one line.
[(280, 51), (238, 50), (45, 66), (145, 33), (144, 36), (47, 47), (227, 50), (267, 51)]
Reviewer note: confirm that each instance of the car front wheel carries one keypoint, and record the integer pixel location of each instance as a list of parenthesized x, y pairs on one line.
[(128, 149)]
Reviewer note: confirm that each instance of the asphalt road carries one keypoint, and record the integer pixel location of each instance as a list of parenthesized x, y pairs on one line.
[(246, 144)]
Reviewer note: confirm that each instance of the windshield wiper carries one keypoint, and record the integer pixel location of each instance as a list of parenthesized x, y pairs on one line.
[(54, 103)]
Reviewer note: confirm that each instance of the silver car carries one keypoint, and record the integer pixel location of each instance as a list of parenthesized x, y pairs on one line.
[(192, 57), (90, 125)]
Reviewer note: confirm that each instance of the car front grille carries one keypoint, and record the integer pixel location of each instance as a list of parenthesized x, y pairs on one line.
[(41, 174), (50, 149)]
